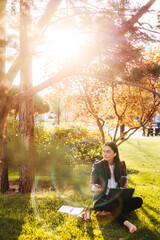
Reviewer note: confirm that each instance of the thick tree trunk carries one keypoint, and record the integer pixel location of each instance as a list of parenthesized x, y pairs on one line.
[(3, 104), (26, 119), (3, 141), (4, 167), (3, 146), (26, 128)]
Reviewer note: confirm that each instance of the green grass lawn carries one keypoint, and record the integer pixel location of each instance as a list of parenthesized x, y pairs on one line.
[(35, 216)]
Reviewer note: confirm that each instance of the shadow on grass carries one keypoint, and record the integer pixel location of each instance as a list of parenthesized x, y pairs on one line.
[(13, 210), (152, 219), (10, 228), (153, 209), (114, 231), (107, 228), (144, 234)]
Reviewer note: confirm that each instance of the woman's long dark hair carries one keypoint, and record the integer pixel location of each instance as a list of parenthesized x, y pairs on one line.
[(119, 169)]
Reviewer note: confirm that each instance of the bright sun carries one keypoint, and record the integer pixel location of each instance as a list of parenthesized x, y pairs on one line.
[(61, 46), (67, 43)]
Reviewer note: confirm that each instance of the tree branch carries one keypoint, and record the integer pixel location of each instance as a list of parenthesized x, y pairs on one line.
[(65, 73), (128, 136), (121, 82), (130, 23)]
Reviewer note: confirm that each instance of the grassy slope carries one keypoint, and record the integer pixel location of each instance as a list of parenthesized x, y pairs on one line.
[(22, 217)]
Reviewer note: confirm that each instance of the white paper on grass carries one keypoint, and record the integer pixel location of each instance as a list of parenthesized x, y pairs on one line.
[(70, 210)]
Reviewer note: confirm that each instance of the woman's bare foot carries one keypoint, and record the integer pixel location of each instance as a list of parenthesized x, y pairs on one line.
[(103, 213), (130, 226)]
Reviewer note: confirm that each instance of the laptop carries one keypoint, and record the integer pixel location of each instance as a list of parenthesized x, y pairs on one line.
[(124, 193)]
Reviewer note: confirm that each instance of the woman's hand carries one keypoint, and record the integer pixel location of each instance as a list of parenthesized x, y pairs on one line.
[(96, 188)]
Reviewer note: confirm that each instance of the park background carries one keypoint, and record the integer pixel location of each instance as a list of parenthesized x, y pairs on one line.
[(98, 66)]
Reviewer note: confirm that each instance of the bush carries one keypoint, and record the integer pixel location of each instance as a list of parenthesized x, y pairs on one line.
[(78, 143), (76, 139), (13, 127), (88, 150), (13, 141), (70, 132)]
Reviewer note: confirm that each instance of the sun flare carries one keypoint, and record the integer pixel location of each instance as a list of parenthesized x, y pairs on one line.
[(63, 44), (67, 43), (59, 48)]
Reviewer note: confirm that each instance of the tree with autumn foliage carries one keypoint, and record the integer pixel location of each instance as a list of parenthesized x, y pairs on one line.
[(132, 109), (115, 106), (115, 103)]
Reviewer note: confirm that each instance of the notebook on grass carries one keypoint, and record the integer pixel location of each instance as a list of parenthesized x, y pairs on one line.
[(124, 193), (70, 210)]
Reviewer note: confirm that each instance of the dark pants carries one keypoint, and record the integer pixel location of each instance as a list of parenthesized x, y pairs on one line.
[(117, 207)]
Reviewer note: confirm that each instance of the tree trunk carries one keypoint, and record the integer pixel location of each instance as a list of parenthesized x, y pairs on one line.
[(3, 104), (122, 129), (4, 171), (3, 141), (26, 119), (3, 144), (26, 128), (100, 126)]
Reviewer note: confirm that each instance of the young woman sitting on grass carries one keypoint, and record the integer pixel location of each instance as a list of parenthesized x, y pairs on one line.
[(106, 174)]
